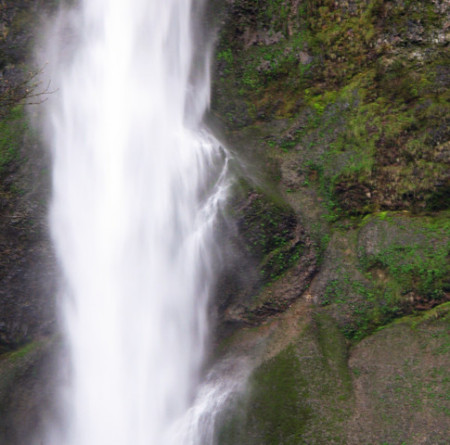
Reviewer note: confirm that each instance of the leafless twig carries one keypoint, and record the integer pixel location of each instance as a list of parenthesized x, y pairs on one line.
[(29, 91)]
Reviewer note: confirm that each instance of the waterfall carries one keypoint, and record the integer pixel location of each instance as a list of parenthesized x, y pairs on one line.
[(137, 184)]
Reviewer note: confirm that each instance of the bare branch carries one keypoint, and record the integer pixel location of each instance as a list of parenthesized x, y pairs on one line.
[(26, 92)]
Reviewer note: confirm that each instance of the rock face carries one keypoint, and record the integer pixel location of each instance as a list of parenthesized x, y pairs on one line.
[(344, 105), (27, 265), (366, 112), (26, 261), (408, 390), (389, 388), (27, 392), (335, 241), (267, 242)]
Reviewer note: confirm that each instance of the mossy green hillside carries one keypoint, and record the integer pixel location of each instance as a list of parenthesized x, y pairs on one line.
[(289, 396), (413, 251), (274, 413), (391, 264), (346, 106), (360, 150), (362, 88)]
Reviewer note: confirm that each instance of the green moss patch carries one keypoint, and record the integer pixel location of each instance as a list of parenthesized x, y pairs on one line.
[(273, 412), (268, 228), (363, 85), (413, 251), (12, 129), (278, 412), (302, 395)]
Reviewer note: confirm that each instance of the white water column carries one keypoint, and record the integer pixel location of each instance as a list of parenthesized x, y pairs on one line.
[(137, 183)]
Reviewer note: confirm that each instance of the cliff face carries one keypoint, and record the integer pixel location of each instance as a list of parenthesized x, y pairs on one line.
[(27, 266), (341, 110), (336, 279), (358, 90)]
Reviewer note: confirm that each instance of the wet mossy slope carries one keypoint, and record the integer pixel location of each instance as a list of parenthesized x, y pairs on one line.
[(343, 108)]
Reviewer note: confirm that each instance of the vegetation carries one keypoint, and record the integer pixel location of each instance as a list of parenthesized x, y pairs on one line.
[(12, 128), (359, 114), (277, 414), (346, 104)]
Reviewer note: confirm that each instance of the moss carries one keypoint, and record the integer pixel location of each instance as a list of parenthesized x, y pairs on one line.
[(277, 408), (26, 390), (267, 226), (359, 129), (334, 349), (12, 129), (357, 133), (440, 312), (13, 365), (280, 260), (367, 114), (305, 394), (301, 395), (275, 412), (321, 238), (418, 264), (360, 146), (366, 304), (402, 266), (23, 352), (265, 38)]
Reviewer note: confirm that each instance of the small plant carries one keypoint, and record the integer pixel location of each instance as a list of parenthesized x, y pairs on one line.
[(29, 91)]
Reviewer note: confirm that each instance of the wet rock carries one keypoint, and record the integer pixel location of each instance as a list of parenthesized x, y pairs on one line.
[(28, 380), (268, 243)]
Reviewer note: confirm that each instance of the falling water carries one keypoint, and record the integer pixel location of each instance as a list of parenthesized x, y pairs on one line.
[(137, 183)]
